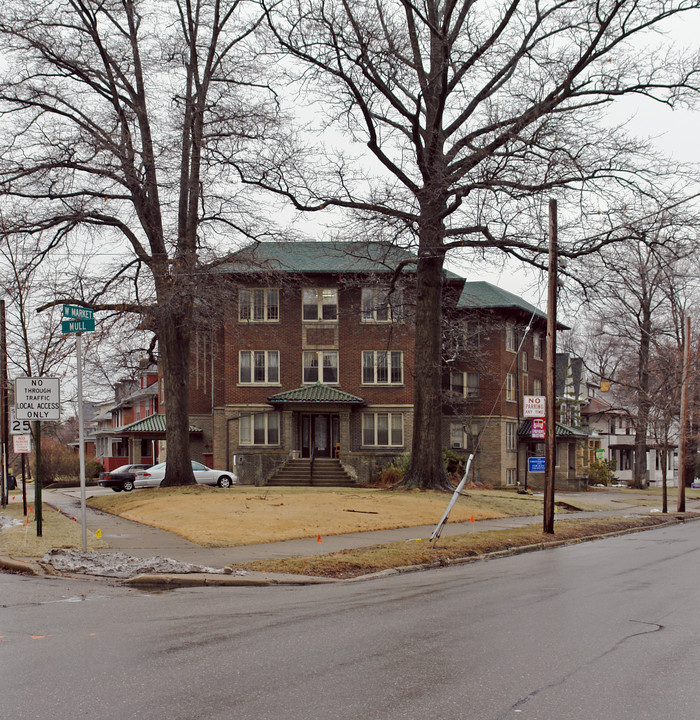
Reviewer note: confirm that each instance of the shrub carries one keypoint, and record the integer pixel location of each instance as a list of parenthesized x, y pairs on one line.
[(601, 471)]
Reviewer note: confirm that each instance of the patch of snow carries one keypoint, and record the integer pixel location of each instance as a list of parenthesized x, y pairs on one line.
[(121, 565), (7, 522)]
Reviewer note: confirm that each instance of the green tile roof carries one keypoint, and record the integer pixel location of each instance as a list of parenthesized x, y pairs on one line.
[(481, 294), (317, 393), (152, 424), (525, 430), (320, 257)]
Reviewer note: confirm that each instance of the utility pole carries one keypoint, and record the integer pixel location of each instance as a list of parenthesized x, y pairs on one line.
[(550, 443), (684, 418), (4, 397)]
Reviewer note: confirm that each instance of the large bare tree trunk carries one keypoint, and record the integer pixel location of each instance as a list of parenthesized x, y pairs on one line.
[(427, 467), (174, 340)]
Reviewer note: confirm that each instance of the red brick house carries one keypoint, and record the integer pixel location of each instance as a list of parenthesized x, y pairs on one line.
[(311, 355)]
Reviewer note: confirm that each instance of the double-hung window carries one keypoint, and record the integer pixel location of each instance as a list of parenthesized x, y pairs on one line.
[(321, 367), (511, 344), (537, 346), (320, 304), (465, 384), (382, 368), (380, 307), (259, 367), (510, 387), (537, 387), (259, 304), (259, 429), (382, 429), (511, 436)]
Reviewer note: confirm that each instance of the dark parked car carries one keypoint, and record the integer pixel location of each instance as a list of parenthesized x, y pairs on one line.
[(121, 478)]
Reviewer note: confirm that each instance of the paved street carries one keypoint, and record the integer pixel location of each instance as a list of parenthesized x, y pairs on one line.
[(603, 630)]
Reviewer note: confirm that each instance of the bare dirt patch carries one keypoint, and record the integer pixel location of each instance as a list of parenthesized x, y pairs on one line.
[(249, 515)]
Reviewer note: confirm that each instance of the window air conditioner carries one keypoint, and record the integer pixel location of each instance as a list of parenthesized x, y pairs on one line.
[(457, 445)]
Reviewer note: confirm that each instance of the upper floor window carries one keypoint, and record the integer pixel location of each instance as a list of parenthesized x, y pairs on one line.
[(511, 344), (472, 335), (259, 304), (510, 387), (321, 367), (465, 383), (379, 306), (537, 387), (259, 367), (319, 304), (382, 368), (537, 346), (523, 359)]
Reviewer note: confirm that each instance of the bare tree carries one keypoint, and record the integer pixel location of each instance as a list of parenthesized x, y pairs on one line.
[(459, 116), (119, 118), (632, 306)]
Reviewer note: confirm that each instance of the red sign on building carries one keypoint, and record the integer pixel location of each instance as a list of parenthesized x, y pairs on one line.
[(538, 429)]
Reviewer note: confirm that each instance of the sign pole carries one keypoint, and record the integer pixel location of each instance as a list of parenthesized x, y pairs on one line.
[(37, 478), (81, 438)]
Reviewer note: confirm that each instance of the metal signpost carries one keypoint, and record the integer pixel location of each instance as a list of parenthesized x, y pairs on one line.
[(79, 320), (21, 431)]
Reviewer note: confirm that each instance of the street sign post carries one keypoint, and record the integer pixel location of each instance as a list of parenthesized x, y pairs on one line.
[(79, 320)]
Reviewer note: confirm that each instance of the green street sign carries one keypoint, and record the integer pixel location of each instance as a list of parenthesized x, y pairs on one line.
[(80, 319), (73, 326)]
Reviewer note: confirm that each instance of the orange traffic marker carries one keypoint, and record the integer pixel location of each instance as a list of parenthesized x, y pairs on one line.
[(318, 539)]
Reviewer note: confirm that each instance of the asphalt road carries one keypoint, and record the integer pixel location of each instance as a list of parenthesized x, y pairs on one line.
[(606, 630)]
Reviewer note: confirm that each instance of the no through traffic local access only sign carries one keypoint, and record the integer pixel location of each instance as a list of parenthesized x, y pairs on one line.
[(37, 398), (79, 319)]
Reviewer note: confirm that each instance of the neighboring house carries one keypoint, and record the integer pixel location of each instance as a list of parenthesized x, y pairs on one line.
[(312, 356), (130, 429), (612, 432)]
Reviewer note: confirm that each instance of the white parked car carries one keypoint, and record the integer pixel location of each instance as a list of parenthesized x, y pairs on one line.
[(202, 474)]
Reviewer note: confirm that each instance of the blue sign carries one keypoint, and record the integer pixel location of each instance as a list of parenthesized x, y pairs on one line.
[(535, 464)]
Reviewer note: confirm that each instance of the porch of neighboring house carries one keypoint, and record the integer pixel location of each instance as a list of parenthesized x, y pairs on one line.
[(566, 476)]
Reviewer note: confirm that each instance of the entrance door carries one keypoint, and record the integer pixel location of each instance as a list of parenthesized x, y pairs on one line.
[(320, 432)]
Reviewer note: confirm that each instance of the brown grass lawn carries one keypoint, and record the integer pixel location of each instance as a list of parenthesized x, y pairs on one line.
[(363, 561), (58, 531), (248, 515)]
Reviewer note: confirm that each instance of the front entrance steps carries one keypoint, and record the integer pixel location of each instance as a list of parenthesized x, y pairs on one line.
[(327, 472)]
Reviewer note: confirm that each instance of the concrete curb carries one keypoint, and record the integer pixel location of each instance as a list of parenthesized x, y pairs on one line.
[(26, 567), (172, 580)]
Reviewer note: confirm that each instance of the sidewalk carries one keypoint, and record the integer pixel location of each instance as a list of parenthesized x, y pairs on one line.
[(143, 541)]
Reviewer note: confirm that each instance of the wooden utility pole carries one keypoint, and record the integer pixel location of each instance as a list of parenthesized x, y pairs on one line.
[(550, 454), (684, 418), (4, 401)]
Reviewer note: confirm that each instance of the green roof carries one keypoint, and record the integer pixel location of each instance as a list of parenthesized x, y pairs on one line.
[(481, 294), (152, 424), (321, 257), (562, 430), (317, 393)]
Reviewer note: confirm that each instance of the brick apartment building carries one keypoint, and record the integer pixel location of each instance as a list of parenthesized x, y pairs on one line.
[(311, 355)]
